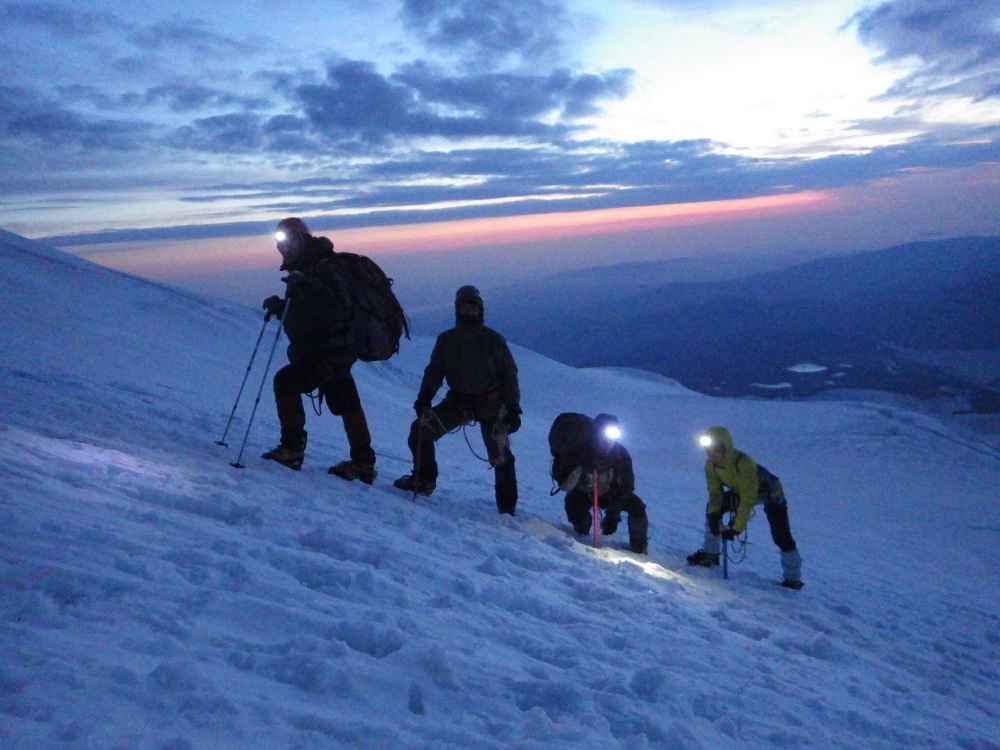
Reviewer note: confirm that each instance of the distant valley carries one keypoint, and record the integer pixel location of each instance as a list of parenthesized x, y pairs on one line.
[(921, 319)]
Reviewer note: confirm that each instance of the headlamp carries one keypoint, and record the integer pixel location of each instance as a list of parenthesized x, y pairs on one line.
[(612, 432), (705, 441), (280, 236)]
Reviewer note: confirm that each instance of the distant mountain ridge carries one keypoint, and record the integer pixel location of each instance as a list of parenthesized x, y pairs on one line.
[(854, 317)]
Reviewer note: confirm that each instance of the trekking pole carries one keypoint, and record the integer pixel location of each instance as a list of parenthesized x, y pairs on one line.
[(222, 441), (725, 560), (236, 464), (597, 511)]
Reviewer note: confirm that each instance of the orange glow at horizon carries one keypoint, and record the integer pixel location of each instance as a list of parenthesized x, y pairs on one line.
[(165, 259)]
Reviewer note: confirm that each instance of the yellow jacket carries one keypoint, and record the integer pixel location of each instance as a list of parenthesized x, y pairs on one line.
[(741, 474)]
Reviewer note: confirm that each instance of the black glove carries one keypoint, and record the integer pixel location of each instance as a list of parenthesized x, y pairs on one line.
[(513, 419), (714, 523), (420, 406), (609, 524), (729, 533), (295, 279), (275, 306)]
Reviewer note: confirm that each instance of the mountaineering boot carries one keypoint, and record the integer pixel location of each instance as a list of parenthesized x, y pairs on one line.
[(351, 470), (288, 453), (703, 558), (407, 483), (792, 584), (640, 548), (290, 457)]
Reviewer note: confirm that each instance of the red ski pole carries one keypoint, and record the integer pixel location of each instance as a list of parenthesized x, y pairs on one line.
[(597, 512)]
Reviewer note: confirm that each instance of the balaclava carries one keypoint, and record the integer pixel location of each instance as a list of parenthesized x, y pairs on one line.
[(468, 294)]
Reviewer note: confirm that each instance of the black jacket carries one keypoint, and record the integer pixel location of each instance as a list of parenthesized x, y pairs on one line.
[(476, 363)]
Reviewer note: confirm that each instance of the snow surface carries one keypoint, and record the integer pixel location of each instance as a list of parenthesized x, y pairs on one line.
[(154, 597)]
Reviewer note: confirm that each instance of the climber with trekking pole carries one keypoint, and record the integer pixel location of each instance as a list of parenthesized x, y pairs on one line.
[(316, 315), (481, 375), (595, 471), (736, 484)]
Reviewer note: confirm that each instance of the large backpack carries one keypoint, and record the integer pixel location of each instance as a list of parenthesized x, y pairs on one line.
[(379, 321), (569, 443)]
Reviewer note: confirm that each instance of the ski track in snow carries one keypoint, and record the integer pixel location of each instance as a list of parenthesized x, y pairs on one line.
[(154, 597)]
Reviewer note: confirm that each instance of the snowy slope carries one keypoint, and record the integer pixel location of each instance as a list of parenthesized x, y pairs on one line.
[(151, 596)]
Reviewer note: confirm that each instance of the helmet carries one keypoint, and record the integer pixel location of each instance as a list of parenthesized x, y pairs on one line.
[(290, 226)]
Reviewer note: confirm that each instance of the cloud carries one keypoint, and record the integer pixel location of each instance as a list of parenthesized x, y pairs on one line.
[(177, 97), (184, 97), (487, 32), (699, 7), (510, 181), (59, 20), (234, 133), (357, 101), (27, 117), (955, 42), (192, 36)]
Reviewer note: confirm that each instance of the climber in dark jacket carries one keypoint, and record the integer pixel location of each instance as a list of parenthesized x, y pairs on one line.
[(316, 315), (479, 369), (615, 487)]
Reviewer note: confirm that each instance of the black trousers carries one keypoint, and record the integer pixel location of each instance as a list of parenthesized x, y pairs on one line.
[(777, 519), (448, 415), (334, 379), (579, 509)]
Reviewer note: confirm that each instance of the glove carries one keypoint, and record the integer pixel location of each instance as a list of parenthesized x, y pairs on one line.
[(729, 533), (420, 406), (513, 419), (714, 523), (609, 524), (275, 306), (294, 280)]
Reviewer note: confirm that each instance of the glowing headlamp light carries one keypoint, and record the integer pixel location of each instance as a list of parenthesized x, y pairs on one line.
[(705, 441), (280, 236), (612, 432)]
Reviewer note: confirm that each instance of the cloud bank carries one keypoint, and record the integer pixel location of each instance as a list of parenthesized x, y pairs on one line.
[(483, 111)]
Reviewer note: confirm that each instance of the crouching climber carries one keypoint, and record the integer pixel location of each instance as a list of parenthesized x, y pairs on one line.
[(736, 483), (584, 449)]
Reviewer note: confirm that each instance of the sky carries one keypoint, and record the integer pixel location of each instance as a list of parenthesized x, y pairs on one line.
[(152, 597), (123, 123)]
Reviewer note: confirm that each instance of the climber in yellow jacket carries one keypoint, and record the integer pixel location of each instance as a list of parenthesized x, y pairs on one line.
[(736, 483)]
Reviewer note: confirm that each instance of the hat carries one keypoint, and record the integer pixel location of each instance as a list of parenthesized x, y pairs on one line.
[(718, 437), (469, 293), (292, 225)]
